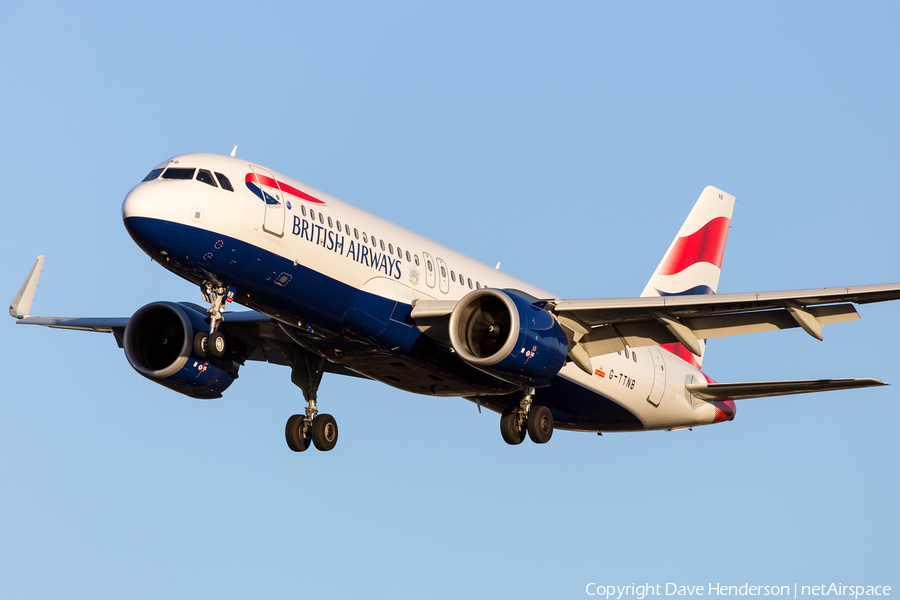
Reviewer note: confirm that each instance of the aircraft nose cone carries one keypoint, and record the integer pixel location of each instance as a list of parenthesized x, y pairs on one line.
[(144, 210), (136, 204)]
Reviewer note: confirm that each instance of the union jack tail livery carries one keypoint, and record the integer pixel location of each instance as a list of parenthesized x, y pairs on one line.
[(693, 262)]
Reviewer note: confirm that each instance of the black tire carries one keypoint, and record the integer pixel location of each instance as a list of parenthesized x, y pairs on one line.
[(540, 424), (292, 434), (200, 344), (509, 429), (216, 344), (324, 432)]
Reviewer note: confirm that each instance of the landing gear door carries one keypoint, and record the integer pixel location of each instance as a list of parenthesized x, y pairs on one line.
[(273, 217), (659, 376)]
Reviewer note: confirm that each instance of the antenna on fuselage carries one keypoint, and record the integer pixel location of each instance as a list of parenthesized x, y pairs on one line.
[(234, 151)]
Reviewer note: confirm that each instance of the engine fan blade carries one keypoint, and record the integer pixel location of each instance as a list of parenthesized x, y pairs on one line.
[(486, 333)]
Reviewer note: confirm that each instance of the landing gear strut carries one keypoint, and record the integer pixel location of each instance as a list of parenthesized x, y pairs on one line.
[(535, 419), (212, 343), (300, 430)]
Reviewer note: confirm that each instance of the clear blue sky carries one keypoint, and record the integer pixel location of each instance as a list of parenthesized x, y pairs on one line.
[(568, 142)]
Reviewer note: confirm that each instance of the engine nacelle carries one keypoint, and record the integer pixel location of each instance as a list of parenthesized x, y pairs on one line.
[(159, 344), (504, 334)]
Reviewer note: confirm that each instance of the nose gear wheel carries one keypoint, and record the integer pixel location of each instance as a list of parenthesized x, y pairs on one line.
[(212, 343)]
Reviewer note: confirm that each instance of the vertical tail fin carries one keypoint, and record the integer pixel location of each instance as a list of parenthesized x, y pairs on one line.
[(693, 262)]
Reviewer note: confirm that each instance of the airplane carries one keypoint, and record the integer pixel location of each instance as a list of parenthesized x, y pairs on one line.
[(334, 289)]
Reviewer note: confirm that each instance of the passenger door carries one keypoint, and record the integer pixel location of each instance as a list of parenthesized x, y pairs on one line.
[(273, 219)]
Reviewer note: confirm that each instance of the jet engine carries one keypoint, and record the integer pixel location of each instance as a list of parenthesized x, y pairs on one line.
[(159, 344), (506, 335)]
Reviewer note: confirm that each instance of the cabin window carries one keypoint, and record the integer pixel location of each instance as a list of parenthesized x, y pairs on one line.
[(430, 267), (338, 225), (634, 356), (626, 353), (223, 181), (374, 243), (312, 214), (321, 218), (347, 229), (416, 256), (470, 283), (178, 173), (452, 276), (154, 174), (330, 222), (443, 271), (382, 246), (303, 208), (356, 233), (477, 285), (407, 256), (365, 239), (391, 248), (206, 177)]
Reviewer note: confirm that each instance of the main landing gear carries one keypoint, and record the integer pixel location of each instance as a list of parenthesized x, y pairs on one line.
[(300, 430), (535, 419), (212, 343)]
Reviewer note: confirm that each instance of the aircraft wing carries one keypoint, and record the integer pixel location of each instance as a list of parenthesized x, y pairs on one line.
[(262, 337), (609, 325), (764, 389), (602, 326), (101, 324), (603, 311)]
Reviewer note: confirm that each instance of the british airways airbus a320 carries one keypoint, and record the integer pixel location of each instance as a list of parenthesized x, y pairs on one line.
[(334, 289)]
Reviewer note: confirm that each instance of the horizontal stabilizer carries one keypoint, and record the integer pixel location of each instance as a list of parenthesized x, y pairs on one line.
[(763, 389)]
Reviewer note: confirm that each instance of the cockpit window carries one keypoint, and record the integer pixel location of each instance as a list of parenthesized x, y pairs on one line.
[(153, 174), (178, 173), (206, 177), (223, 181)]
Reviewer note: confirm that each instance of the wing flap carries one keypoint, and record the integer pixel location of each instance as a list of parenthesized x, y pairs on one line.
[(613, 338), (765, 389), (753, 322)]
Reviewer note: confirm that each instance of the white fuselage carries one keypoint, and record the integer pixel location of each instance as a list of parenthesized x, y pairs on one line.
[(361, 251)]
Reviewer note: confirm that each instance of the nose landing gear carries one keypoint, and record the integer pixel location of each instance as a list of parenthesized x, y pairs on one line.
[(213, 343)]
